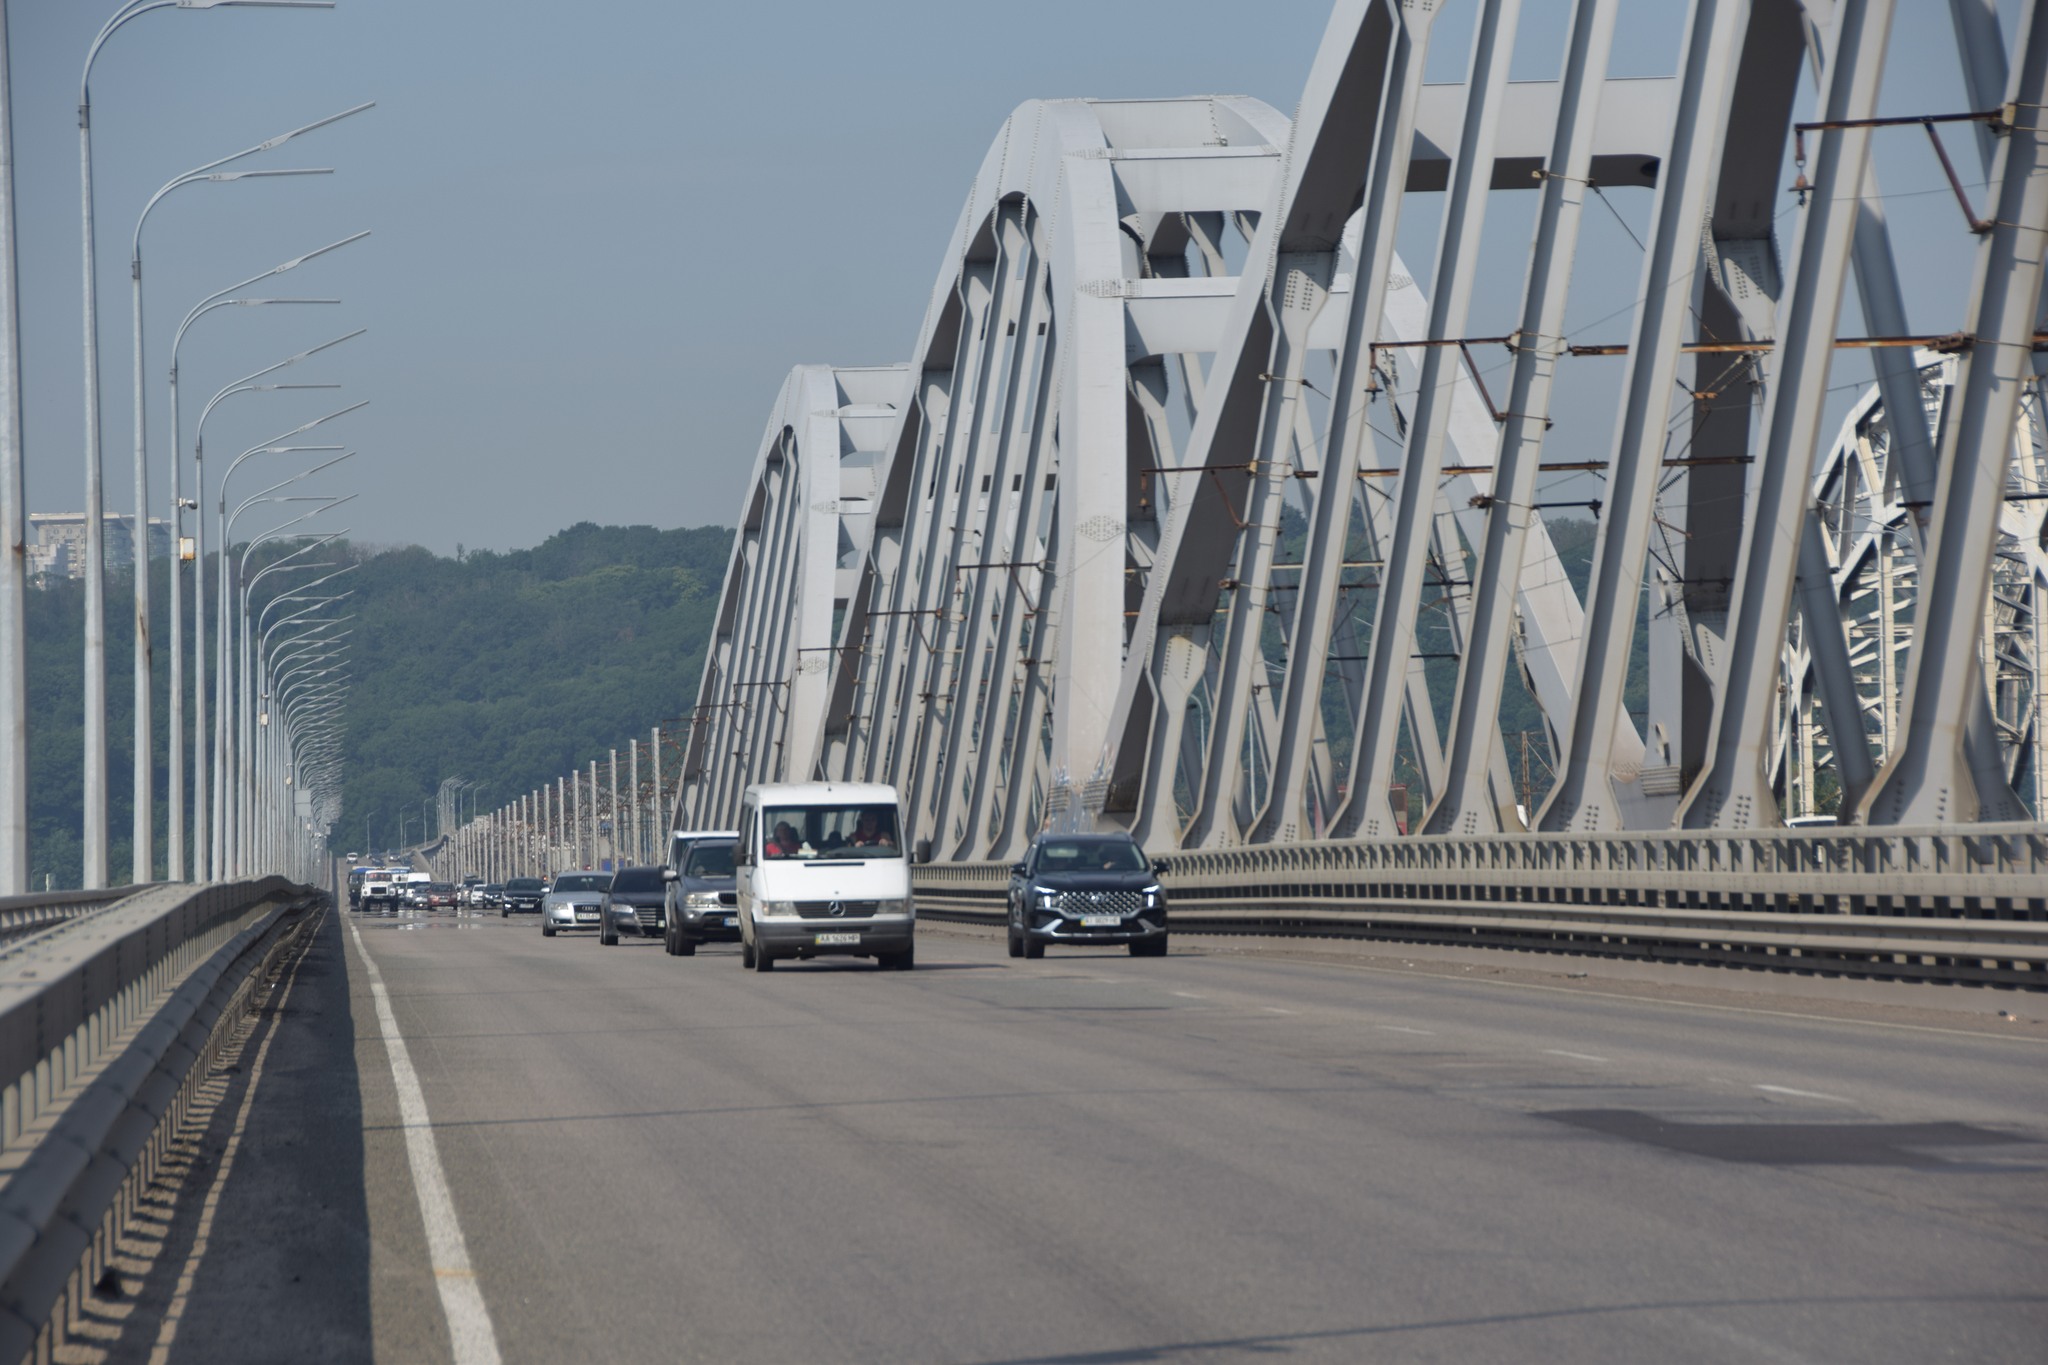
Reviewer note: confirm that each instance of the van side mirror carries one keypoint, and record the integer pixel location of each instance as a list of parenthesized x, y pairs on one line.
[(668, 874)]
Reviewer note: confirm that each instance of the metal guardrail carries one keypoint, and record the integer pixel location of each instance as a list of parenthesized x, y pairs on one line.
[(107, 1030), (1964, 903), (24, 915)]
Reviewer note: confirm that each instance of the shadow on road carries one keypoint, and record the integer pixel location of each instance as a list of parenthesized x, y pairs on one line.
[(278, 1246)]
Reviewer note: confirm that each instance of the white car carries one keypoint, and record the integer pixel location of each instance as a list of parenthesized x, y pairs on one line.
[(574, 901)]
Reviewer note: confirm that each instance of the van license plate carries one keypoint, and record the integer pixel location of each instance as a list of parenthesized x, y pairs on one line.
[(1101, 921), (837, 940)]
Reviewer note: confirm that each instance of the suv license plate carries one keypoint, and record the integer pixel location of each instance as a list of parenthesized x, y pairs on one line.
[(732, 921), (837, 940), (1101, 921)]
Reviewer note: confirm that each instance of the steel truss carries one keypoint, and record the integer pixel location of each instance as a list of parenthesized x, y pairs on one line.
[(1189, 484)]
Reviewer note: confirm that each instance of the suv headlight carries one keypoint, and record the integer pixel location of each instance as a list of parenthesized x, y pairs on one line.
[(1153, 895), (701, 900), (1043, 895)]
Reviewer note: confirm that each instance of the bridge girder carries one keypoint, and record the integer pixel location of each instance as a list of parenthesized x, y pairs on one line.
[(1125, 489)]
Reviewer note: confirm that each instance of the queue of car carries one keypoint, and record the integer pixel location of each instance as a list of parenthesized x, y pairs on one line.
[(814, 870)]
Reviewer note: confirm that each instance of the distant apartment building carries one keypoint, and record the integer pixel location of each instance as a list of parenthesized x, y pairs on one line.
[(57, 547)]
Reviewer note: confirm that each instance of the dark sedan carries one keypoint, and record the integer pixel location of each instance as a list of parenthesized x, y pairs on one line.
[(1088, 889), (523, 894), (635, 904)]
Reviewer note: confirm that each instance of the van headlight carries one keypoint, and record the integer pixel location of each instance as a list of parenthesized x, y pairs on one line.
[(766, 909), (895, 907)]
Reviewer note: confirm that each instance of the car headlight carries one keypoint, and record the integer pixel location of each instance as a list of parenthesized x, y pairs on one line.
[(768, 908), (701, 900)]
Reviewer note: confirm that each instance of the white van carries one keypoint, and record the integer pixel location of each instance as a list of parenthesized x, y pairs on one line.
[(819, 870)]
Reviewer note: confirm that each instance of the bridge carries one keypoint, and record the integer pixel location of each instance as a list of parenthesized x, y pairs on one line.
[(1195, 512)]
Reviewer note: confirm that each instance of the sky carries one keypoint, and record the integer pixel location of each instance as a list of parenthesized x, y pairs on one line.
[(602, 233)]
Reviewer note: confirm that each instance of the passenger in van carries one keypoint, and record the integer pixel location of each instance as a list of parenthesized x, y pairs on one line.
[(785, 843), (868, 833)]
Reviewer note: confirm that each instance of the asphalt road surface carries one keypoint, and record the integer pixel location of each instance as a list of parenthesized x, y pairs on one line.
[(1211, 1157)]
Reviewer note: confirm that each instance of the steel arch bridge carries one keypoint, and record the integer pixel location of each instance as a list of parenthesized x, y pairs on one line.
[(1193, 512)]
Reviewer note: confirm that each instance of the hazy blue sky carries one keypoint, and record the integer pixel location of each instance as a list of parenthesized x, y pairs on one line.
[(604, 231)]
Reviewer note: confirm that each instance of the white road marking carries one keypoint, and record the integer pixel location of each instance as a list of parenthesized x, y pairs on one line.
[(1190, 995), (462, 1301), (1803, 1094), (1275, 1009), (1396, 1028), (1575, 1056)]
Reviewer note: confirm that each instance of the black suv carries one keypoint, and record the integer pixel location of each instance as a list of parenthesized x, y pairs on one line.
[(1087, 888), (523, 894)]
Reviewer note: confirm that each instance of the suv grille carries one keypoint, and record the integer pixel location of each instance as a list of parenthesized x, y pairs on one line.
[(846, 910), (1099, 902), (648, 915)]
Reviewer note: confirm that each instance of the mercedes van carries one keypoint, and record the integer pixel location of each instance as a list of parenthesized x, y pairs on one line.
[(819, 870)]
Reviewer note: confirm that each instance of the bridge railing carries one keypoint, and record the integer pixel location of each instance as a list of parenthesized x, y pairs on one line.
[(108, 1027), (23, 915), (1962, 903)]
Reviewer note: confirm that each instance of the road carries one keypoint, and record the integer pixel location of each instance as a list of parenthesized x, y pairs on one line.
[(1211, 1157)]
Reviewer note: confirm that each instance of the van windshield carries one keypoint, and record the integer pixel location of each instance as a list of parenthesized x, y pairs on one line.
[(849, 831)]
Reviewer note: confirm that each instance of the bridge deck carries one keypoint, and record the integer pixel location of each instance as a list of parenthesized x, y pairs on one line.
[(1314, 1152)]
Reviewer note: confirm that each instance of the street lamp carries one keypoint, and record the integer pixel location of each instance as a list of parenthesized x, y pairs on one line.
[(246, 384), (222, 732), (246, 833), (95, 786), (145, 805)]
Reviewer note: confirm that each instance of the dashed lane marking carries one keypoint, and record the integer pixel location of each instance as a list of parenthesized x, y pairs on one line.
[(1803, 1094), (1575, 1056)]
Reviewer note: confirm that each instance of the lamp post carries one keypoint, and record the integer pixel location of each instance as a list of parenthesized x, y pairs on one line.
[(223, 732), (13, 530), (145, 806), (210, 173), (95, 784), (257, 760), (201, 846), (272, 447)]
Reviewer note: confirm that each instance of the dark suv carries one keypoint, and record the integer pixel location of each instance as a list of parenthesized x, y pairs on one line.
[(706, 908), (1087, 888), (523, 894)]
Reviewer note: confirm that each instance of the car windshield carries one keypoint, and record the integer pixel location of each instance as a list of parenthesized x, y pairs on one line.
[(637, 879), (1091, 855), (583, 881), (850, 831), (709, 860), (525, 884), (439, 888)]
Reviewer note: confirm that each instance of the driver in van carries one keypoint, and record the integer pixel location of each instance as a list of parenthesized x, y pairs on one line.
[(784, 844), (868, 833)]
